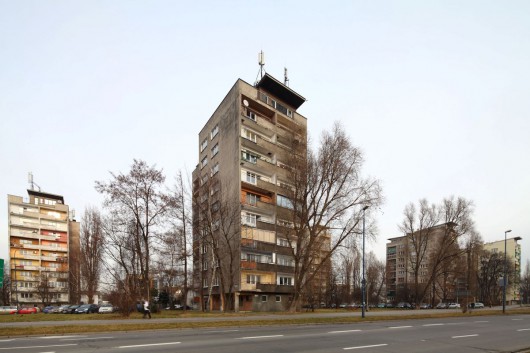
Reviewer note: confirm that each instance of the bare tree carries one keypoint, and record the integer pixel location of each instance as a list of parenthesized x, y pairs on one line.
[(525, 284), (92, 243), (44, 290), (5, 295), (375, 278), (327, 197), (418, 227), (490, 273), (138, 202)]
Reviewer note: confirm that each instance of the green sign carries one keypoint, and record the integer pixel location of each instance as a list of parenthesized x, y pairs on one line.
[(1, 272)]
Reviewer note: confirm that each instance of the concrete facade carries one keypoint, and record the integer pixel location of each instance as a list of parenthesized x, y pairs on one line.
[(513, 252), (243, 154), (39, 237)]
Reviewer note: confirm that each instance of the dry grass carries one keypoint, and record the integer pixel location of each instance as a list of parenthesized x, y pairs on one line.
[(275, 319)]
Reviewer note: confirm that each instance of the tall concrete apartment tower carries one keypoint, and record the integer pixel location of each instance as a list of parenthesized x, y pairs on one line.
[(240, 203), (40, 233)]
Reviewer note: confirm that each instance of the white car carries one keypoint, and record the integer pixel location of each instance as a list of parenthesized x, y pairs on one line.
[(106, 308), (453, 306)]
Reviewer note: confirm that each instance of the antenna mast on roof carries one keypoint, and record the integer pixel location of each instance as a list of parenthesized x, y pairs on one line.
[(285, 78), (261, 62), (30, 180)]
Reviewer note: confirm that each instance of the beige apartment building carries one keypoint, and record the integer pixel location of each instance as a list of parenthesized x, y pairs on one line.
[(401, 259), (513, 252), (40, 234), (244, 150)]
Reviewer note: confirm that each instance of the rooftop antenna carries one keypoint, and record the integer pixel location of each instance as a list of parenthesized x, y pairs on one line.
[(285, 78), (30, 180), (261, 62)]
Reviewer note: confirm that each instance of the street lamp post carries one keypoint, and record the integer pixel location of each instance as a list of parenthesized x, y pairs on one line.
[(504, 279), (363, 282)]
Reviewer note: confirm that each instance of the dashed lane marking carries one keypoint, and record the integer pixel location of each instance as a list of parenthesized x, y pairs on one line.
[(257, 337), (475, 335), (344, 331), (149, 345), (361, 347)]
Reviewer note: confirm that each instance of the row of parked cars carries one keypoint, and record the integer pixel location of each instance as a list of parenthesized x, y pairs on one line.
[(63, 309), (79, 309)]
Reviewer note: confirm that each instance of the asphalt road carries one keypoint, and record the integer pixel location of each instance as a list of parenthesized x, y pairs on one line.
[(462, 334)]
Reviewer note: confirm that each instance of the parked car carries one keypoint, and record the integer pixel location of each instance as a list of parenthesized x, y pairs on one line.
[(87, 309), (181, 307), (8, 309), (62, 309), (28, 310), (453, 306), (49, 309), (71, 309), (381, 305), (389, 305), (425, 306), (404, 305), (442, 306), (106, 308), (476, 305)]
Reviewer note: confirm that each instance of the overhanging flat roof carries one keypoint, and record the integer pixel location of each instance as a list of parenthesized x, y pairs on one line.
[(281, 91), (46, 195)]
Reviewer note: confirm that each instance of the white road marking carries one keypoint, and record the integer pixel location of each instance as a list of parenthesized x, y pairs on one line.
[(344, 331), (426, 325), (222, 331), (475, 335), (361, 347), (7, 340), (149, 345), (52, 345), (85, 339), (517, 319), (523, 329), (400, 326), (52, 337), (254, 337), (480, 321)]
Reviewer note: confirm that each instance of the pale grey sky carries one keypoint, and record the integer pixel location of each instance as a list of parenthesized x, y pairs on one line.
[(436, 93)]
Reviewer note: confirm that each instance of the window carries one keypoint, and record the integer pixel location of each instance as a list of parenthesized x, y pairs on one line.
[(285, 281), (285, 261), (252, 199), (250, 157), (205, 283), (251, 178), (214, 132), (204, 179), (278, 298), (249, 219), (282, 242), (250, 114), (204, 249), (215, 282), (253, 279), (204, 162), (204, 264), (215, 149), (253, 258), (215, 206), (215, 169), (263, 298), (284, 202), (204, 144), (250, 135)]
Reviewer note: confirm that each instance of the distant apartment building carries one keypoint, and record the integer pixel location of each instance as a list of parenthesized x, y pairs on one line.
[(40, 240), (244, 150), (401, 259), (513, 253)]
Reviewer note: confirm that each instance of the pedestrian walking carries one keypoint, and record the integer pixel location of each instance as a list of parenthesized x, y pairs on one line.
[(147, 312)]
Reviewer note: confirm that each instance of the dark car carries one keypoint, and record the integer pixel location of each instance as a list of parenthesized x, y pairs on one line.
[(71, 309), (87, 309), (404, 305), (49, 309)]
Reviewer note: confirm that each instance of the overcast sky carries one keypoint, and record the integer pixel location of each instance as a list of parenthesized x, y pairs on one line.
[(435, 93)]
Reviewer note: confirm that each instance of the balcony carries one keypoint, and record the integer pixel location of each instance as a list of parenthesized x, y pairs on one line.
[(248, 265), (261, 124), (274, 288)]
